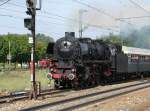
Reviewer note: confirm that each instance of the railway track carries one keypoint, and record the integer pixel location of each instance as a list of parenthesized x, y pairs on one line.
[(13, 97), (25, 95), (84, 100)]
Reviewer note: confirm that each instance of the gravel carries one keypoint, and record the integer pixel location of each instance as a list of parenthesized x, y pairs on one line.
[(135, 101), (51, 98)]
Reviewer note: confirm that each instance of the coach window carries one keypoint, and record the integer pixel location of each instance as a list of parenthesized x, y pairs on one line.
[(147, 58), (129, 57), (143, 58), (140, 58), (133, 58)]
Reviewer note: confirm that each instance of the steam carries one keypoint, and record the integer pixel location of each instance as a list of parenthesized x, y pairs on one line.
[(136, 30), (140, 37)]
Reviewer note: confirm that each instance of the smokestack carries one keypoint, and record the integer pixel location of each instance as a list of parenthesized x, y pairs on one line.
[(69, 34)]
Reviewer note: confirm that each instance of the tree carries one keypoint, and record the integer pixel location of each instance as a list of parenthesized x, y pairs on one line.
[(20, 48)]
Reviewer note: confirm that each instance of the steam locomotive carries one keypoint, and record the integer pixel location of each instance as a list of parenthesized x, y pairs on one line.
[(83, 62)]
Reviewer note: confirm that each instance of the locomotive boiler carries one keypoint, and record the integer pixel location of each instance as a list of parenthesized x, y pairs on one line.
[(83, 62)]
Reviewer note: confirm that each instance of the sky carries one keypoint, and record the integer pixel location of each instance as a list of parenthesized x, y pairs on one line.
[(59, 16)]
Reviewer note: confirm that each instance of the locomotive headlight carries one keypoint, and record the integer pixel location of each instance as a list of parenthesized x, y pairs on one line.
[(71, 76), (73, 70), (66, 44), (52, 69)]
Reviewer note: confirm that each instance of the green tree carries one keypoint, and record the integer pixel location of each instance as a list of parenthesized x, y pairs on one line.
[(20, 48)]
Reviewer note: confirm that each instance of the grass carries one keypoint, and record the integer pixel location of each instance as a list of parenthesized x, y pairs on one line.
[(20, 80)]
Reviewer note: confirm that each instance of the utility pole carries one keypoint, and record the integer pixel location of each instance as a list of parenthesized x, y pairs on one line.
[(9, 53), (30, 24), (80, 22), (120, 26)]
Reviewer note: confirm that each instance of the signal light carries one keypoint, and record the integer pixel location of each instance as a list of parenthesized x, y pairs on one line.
[(31, 3), (29, 12), (28, 23)]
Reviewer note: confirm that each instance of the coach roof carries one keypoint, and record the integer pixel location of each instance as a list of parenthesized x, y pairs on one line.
[(136, 51)]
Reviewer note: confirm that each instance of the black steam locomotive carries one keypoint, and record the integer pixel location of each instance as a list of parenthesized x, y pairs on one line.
[(83, 62)]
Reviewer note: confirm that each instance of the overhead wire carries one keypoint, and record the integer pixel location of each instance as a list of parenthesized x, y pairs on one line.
[(8, 9), (45, 12), (61, 24), (62, 17), (100, 11), (14, 27), (75, 20), (92, 7), (44, 23), (138, 17), (139, 6), (6, 26), (48, 13), (21, 6), (4, 3), (37, 15), (18, 17), (5, 15)]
